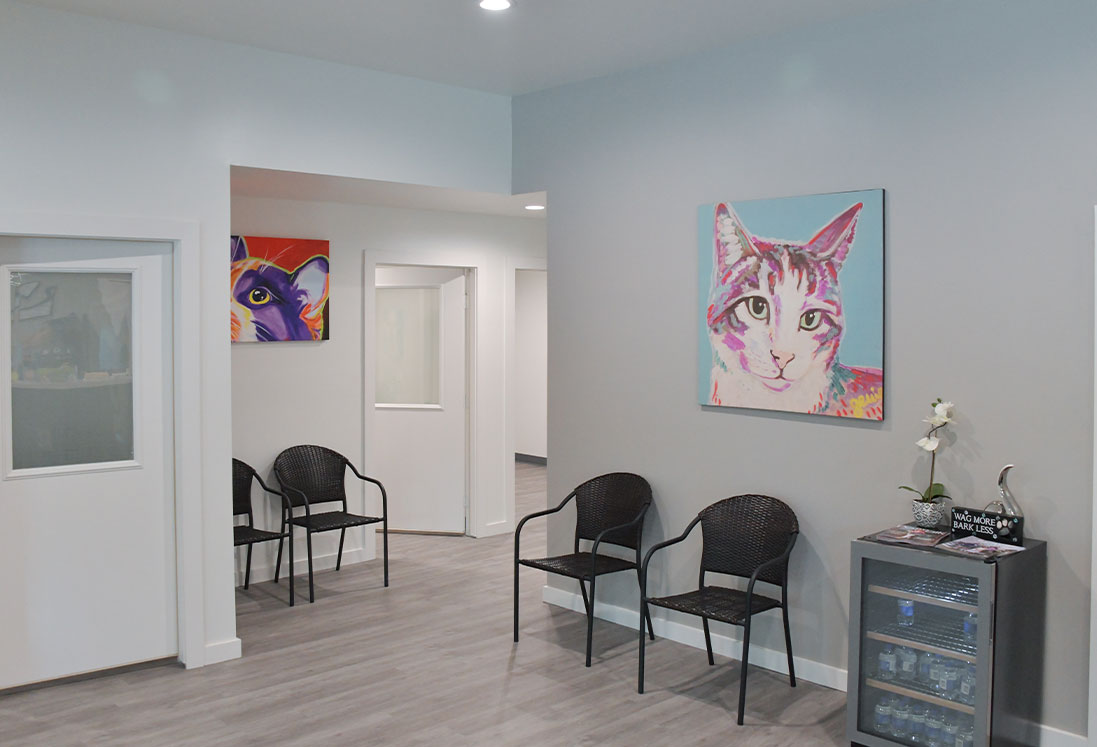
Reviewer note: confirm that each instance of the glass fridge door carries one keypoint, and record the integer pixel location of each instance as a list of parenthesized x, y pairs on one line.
[(918, 681)]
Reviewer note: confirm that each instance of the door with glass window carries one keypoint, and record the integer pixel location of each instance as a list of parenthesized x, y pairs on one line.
[(420, 396), (87, 531)]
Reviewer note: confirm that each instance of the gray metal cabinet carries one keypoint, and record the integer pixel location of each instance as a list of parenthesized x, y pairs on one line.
[(945, 650)]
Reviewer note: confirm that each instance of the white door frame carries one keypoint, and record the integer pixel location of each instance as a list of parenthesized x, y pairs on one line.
[(186, 310), (513, 266)]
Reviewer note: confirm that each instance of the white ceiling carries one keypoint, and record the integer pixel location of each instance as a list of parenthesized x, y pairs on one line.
[(537, 44), (293, 185)]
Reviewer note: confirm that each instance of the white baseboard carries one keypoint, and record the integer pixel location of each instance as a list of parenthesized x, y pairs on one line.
[(767, 658), (223, 651), (265, 571)]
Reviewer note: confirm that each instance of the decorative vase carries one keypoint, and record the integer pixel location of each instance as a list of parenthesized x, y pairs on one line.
[(927, 515)]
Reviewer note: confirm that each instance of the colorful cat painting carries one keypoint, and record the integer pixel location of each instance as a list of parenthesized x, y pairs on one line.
[(279, 289), (775, 315)]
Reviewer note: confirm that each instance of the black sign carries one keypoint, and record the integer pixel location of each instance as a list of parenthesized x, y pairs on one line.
[(987, 525)]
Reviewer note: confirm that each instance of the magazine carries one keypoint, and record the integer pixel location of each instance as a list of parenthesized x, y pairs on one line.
[(977, 547), (908, 534)]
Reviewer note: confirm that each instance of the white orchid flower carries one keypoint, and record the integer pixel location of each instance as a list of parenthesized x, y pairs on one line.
[(936, 420), (943, 410), (929, 443)]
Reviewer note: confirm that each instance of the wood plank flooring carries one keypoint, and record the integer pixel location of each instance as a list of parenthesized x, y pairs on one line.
[(428, 661)]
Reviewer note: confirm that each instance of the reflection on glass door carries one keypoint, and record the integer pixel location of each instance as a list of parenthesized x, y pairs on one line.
[(71, 368)]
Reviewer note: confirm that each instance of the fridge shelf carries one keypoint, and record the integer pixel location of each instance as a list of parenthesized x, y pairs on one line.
[(912, 690), (919, 593), (937, 639)]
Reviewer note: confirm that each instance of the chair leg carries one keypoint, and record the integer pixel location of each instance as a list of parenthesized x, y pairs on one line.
[(339, 557), (590, 620), (308, 544), (247, 567), (644, 612), (708, 641), (385, 540), (788, 649), (289, 538), (278, 563), (743, 672), (516, 598)]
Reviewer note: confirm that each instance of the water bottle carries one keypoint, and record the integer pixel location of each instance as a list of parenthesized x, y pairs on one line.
[(900, 719), (908, 663), (966, 738), (886, 663), (971, 627), (967, 686), (951, 732), (881, 722), (918, 724), (950, 680), (936, 668), (906, 612), (934, 727), (925, 661)]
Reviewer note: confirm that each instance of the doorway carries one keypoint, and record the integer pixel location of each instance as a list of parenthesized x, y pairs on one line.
[(86, 428), (420, 396)]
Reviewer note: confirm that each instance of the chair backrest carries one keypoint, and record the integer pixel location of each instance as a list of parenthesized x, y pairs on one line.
[(316, 471), (241, 487), (741, 533), (611, 500)]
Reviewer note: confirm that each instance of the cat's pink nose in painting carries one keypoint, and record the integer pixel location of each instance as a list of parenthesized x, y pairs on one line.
[(781, 358)]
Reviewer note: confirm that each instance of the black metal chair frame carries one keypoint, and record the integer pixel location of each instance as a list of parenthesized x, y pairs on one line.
[(305, 521), (591, 576), (779, 561), (252, 536)]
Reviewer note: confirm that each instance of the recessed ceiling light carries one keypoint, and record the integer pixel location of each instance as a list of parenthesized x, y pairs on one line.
[(535, 207), (495, 4)]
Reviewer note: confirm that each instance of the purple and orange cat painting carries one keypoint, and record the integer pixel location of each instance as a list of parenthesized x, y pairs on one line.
[(794, 323), (279, 289)]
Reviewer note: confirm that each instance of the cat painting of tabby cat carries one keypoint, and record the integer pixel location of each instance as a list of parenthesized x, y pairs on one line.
[(279, 289), (778, 325)]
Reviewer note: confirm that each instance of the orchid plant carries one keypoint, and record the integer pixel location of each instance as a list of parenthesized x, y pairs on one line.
[(942, 416)]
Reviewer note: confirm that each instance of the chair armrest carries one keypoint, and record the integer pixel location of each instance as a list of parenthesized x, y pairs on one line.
[(271, 490), (659, 546), (384, 494), (783, 557), (534, 515), (289, 488), (604, 532)]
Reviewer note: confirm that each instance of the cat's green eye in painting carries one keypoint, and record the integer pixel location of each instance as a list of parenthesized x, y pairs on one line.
[(810, 320), (757, 307), (259, 296)]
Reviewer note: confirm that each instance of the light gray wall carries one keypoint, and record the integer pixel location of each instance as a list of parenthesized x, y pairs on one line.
[(980, 121), (531, 362)]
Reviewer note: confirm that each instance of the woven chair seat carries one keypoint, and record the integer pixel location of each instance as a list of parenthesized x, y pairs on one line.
[(717, 603), (250, 535), (333, 520), (577, 565)]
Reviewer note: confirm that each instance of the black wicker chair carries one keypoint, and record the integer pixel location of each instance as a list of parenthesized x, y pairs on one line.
[(247, 534), (609, 509), (750, 536), (311, 475)]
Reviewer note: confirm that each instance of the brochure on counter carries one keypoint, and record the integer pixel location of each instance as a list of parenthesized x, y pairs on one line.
[(909, 534), (977, 547)]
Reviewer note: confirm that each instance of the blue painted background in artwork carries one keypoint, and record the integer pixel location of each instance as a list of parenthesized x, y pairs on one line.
[(798, 219)]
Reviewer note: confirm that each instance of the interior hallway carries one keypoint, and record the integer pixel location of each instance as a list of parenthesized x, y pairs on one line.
[(428, 661)]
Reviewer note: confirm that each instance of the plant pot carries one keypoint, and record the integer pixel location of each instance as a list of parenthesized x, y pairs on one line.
[(927, 515)]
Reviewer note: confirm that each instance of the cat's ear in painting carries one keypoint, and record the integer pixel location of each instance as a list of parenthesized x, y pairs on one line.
[(239, 249), (833, 242), (730, 238), (311, 280)]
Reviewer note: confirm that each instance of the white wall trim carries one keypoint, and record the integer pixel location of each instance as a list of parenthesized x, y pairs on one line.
[(1092, 718), (264, 571), (513, 264), (767, 658), (223, 651), (184, 237)]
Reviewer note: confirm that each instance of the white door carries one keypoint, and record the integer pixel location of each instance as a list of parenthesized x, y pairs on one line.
[(420, 396), (87, 541)]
